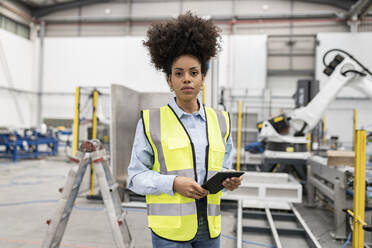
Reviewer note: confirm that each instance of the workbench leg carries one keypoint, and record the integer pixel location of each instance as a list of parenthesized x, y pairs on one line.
[(310, 188), (36, 151), (14, 153), (368, 235), (339, 215)]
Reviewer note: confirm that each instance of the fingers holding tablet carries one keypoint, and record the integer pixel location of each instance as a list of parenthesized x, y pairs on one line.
[(232, 183)]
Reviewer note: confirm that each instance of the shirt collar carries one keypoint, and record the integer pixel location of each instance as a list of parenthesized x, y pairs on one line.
[(179, 112)]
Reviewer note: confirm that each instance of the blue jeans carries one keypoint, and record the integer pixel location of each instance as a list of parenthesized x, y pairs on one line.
[(201, 240)]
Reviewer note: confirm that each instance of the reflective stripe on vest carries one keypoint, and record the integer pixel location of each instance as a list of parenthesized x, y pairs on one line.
[(175, 217)]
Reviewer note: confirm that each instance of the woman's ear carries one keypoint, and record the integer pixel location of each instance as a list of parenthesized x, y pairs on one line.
[(170, 83)]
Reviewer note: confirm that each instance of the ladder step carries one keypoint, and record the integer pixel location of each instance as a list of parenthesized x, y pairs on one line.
[(64, 216), (114, 187), (122, 216), (75, 187)]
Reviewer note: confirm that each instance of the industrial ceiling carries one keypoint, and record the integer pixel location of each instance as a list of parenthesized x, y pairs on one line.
[(41, 8)]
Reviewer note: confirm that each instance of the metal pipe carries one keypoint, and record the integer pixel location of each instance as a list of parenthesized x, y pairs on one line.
[(19, 13), (357, 8), (239, 225), (40, 74), (226, 20), (15, 90), (322, 188), (94, 136), (273, 228), (239, 136), (305, 227)]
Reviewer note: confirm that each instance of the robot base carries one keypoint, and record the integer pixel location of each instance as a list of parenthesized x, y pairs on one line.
[(286, 147), (288, 162)]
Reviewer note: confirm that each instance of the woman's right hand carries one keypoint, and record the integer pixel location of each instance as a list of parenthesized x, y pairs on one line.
[(188, 187)]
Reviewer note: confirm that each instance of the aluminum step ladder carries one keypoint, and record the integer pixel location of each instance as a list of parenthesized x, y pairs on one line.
[(90, 152)]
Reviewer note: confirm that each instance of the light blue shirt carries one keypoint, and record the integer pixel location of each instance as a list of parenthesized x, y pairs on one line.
[(144, 181)]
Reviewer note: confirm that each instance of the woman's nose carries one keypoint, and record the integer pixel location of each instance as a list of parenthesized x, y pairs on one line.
[(187, 78)]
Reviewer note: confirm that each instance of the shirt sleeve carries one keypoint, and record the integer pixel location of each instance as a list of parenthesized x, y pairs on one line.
[(142, 179)]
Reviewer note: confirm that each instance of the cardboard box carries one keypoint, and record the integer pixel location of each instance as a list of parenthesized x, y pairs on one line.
[(340, 158)]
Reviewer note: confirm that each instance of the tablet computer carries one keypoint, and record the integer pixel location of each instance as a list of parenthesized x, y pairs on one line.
[(214, 184)]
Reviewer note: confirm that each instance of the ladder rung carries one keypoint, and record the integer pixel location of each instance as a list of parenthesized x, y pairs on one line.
[(74, 187), (64, 216), (114, 187), (122, 216)]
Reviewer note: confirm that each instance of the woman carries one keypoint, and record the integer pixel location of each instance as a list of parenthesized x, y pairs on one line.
[(181, 145)]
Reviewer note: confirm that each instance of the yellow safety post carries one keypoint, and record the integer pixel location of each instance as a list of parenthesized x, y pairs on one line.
[(76, 121), (359, 188), (355, 125), (239, 135), (94, 136), (308, 145), (94, 128), (204, 89)]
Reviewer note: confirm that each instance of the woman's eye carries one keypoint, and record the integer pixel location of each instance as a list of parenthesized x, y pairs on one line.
[(178, 74), (194, 73)]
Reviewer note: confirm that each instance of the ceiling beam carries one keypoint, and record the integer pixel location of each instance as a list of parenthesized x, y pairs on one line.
[(359, 8), (365, 12), (28, 3), (63, 6), (342, 4)]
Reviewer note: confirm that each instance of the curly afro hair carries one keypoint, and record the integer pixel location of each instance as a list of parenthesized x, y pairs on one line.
[(186, 35)]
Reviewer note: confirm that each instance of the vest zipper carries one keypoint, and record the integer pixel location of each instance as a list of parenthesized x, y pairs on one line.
[(206, 167)]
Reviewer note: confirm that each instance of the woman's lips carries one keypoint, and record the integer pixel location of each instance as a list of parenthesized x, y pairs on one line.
[(187, 89)]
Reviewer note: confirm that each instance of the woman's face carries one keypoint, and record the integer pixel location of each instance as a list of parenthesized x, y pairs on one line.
[(186, 78)]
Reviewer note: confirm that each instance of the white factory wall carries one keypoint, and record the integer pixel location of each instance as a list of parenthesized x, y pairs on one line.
[(71, 62), (248, 67), (340, 118), (101, 61), (18, 68)]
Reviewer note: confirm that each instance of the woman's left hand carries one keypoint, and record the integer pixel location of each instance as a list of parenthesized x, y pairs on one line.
[(232, 183)]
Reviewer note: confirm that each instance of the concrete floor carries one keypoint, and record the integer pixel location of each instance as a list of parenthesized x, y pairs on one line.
[(29, 196)]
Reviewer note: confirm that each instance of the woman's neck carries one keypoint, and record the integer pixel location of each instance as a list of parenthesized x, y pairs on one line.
[(188, 106)]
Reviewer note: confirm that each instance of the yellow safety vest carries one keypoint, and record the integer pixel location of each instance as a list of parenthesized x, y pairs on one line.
[(175, 217)]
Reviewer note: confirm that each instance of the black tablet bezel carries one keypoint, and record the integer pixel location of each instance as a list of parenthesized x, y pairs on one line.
[(214, 184)]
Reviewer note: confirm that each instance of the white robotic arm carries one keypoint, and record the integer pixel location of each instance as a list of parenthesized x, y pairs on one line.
[(343, 71), (363, 85), (313, 112)]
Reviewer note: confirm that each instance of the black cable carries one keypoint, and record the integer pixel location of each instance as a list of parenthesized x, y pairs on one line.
[(349, 55), (354, 71)]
